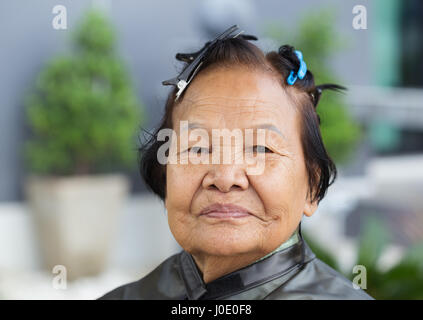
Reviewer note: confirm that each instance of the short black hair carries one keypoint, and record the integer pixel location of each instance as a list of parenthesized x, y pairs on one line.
[(233, 52)]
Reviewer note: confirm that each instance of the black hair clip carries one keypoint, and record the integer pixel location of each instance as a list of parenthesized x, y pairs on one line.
[(316, 96), (319, 89), (196, 59)]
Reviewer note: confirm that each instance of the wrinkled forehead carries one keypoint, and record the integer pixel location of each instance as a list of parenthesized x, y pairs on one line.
[(236, 94), (216, 111), (226, 107)]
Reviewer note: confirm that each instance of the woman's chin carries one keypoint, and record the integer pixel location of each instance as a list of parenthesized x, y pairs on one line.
[(224, 244)]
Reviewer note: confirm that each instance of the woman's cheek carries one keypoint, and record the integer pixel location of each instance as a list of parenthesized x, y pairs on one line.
[(178, 193), (178, 201), (183, 180), (277, 185)]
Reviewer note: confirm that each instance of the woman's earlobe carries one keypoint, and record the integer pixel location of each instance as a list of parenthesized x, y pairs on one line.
[(310, 206)]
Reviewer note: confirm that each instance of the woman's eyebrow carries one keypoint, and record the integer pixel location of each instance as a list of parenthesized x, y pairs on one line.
[(271, 127), (192, 125)]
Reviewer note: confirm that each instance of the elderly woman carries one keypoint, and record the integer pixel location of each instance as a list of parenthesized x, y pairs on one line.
[(240, 229)]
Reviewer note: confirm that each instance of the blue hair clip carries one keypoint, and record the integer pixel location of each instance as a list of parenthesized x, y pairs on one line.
[(301, 71)]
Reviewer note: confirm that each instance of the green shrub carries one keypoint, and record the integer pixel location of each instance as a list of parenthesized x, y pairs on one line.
[(317, 39), (404, 280), (83, 114)]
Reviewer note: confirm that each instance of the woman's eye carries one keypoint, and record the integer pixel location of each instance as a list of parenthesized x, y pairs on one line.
[(261, 149), (198, 150)]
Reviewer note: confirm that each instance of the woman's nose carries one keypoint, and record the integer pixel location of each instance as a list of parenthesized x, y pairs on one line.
[(226, 177)]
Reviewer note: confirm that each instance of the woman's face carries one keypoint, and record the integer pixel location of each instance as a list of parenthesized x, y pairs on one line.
[(275, 199)]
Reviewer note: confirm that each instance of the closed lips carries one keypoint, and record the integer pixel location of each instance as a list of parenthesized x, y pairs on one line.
[(217, 210)]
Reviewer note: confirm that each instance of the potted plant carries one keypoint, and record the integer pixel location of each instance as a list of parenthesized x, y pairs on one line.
[(402, 280), (83, 116)]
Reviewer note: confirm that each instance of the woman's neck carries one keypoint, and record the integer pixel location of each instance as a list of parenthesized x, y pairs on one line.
[(214, 267)]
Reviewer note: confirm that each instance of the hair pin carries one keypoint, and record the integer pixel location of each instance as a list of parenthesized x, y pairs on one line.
[(196, 59), (302, 70)]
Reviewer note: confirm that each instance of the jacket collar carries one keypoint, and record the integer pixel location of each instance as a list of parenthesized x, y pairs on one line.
[(262, 271)]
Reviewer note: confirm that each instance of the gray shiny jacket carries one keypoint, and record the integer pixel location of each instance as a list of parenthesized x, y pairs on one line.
[(292, 273)]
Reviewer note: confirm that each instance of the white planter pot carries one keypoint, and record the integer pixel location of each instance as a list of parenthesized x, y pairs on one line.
[(76, 218)]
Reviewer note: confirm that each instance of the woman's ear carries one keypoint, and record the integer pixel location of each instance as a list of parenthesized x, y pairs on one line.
[(310, 206)]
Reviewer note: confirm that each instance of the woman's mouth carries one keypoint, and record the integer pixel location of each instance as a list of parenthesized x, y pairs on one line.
[(224, 211)]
